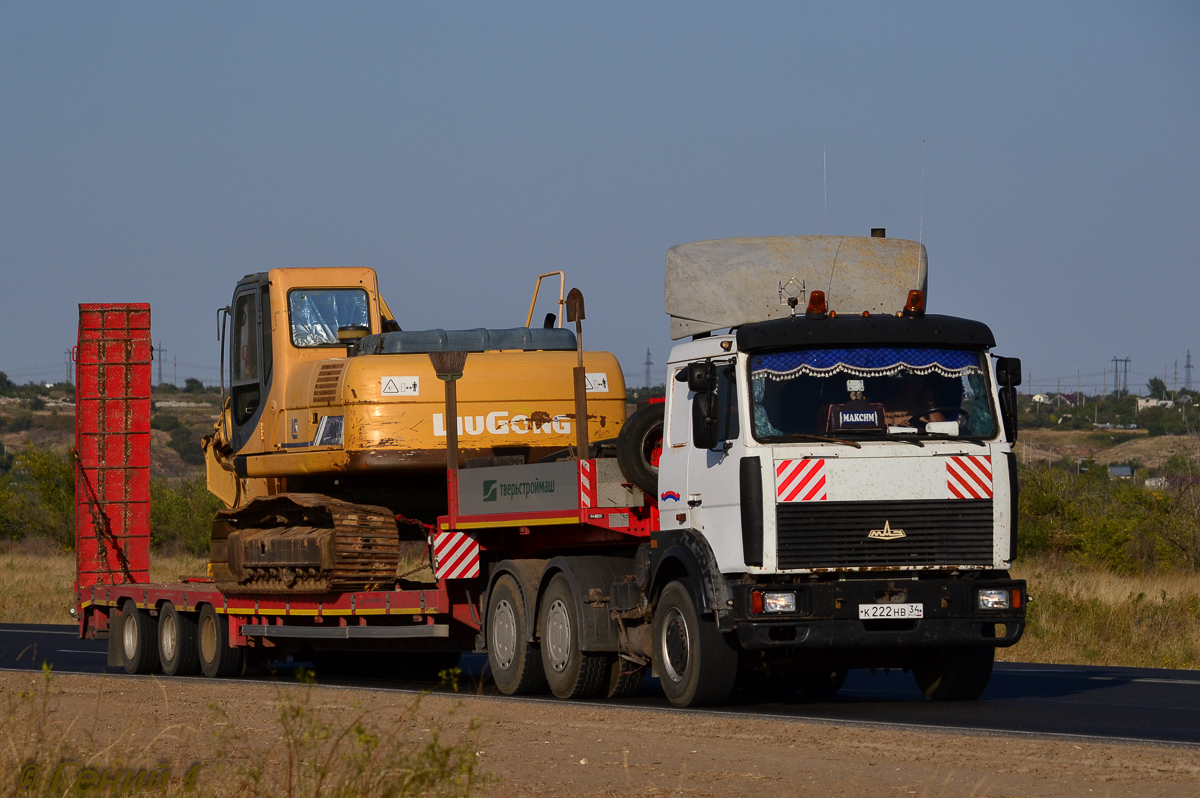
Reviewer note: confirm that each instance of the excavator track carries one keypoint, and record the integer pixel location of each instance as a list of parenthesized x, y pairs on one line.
[(304, 543)]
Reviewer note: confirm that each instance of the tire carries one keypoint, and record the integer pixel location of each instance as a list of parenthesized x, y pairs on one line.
[(516, 665), (822, 684), (570, 672), (625, 678), (696, 665), (218, 659), (139, 640), (955, 674), (177, 642), (641, 435)]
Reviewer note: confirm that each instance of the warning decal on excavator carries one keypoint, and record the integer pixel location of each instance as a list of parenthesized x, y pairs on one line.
[(399, 386)]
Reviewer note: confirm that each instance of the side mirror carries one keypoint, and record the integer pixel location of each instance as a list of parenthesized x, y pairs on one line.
[(1008, 371), (704, 419), (1008, 412), (701, 377)]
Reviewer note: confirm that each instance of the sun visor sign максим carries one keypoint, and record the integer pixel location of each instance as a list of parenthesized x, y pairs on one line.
[(538, 488)]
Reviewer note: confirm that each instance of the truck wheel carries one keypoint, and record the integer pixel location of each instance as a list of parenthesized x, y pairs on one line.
[(695, 663), (177, 642), (515, 664), (624, 678), (139, 639), (955, 674), (217, 657), (822, 684), (641, 436), (570, 672)]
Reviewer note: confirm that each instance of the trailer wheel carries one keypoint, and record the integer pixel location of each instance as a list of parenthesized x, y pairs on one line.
[(639, 440), (177, 641), (217, 657), (696, 664), (955, 674), (624, 678), (139, 646), (516, 664), (570, 672)]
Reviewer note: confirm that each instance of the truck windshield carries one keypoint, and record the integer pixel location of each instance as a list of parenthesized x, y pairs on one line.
[(317, 314), (871, 392)]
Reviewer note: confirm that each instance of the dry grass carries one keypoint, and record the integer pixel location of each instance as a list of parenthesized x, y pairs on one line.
[(311, 748), (37, 580), (1092, 616)]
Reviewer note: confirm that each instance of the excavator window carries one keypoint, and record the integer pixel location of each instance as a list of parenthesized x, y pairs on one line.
[(317, 314), (244, 386), (245, 344)]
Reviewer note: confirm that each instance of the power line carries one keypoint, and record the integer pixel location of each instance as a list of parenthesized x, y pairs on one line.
[(648, 364)]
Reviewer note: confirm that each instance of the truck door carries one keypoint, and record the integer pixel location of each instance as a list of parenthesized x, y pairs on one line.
[(713, 482), (249, 361)]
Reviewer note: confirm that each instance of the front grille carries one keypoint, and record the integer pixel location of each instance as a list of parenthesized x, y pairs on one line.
[(836, 534)]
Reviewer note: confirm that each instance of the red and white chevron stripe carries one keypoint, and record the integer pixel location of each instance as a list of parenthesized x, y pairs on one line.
[(969, 476), (587, 483), (455, 555), (800, 480)]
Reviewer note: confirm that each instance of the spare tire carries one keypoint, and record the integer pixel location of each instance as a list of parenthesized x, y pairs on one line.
[(638, 446)]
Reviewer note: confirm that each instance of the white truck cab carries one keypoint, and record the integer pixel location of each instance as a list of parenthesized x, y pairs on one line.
[(842, 460)]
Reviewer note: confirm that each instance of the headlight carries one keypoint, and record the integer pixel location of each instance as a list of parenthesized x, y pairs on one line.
[(995, 598), (779, 602)]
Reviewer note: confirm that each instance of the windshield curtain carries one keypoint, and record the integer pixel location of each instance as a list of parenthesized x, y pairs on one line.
[(899, 390), (316, 315)]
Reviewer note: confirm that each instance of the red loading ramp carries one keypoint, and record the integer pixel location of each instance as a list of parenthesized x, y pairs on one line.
[(112, 444)]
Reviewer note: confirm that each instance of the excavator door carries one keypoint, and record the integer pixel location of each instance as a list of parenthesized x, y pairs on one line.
[(249, 357)]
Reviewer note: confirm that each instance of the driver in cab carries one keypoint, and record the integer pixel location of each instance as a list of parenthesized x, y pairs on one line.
[(911, 405)]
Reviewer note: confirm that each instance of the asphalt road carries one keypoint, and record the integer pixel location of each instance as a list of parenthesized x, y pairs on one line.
[(1127, 704)]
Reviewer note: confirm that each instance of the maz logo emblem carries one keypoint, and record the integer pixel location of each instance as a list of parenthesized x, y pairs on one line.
[(887, 533)]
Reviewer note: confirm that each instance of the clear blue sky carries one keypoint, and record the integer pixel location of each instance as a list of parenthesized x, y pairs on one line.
[(157, 152)]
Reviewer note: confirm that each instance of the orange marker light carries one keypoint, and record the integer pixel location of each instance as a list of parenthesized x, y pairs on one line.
[(756, 602), (1016, 601), (916, 303), (816, 302)]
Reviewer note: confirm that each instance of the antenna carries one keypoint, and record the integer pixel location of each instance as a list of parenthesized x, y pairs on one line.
[(1187, 372), (648, 364), (825, 172), (921, 228)]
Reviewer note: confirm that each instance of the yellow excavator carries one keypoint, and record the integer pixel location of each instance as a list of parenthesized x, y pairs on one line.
[(335, 424)]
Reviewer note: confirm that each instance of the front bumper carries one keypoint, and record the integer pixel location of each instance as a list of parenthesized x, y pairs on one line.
[(827, 615)]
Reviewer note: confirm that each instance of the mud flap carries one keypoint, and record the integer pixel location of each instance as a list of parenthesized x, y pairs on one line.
[(115, 633)]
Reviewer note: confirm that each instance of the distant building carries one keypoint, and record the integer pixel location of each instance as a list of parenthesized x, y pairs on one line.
[(1145, 402), (1120, 472)]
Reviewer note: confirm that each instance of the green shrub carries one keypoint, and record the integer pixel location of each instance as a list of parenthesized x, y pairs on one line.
[(20, 423), (184, 441), (182, 513), (1118, 524), (37, 497)]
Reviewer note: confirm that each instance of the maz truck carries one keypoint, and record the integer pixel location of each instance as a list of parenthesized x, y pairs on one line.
[(829, 485)]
